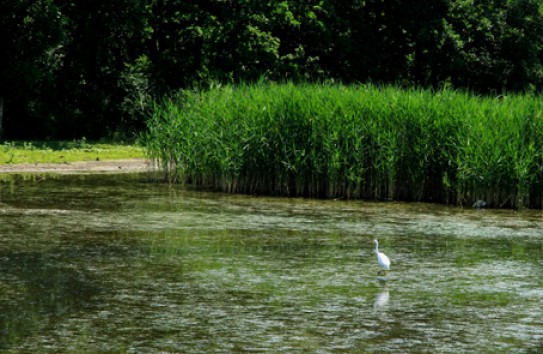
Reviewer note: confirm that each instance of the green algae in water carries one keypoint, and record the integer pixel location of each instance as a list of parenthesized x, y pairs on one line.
[(120, 263)]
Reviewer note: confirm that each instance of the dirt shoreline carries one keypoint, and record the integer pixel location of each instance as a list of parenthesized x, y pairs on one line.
[(106, 166)]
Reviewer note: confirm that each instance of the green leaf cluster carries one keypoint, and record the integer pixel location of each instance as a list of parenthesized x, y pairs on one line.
[(85, 68)]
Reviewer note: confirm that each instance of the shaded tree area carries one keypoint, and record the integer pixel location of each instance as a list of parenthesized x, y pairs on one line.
[(87, 68)]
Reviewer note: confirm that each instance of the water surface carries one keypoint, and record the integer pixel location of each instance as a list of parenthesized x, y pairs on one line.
[(120, 263)]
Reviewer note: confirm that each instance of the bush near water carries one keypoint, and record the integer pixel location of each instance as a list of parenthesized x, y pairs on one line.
[(335, 141)]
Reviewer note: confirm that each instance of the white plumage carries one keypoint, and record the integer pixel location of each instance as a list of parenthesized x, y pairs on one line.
[(382, 259)]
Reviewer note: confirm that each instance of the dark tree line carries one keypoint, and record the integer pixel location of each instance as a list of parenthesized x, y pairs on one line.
[(87, 68)]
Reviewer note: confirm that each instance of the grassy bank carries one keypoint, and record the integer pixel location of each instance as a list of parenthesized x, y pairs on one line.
[(354, 142), (13, 152)]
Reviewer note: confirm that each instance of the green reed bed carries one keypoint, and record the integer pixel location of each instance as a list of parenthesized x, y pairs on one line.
[(363, 141)]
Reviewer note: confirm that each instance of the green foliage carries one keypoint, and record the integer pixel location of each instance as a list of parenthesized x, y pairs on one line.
[(82, 68), (498, 44), (31, 31), (353, 142)]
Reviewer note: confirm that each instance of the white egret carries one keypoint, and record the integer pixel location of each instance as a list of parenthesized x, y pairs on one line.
[(382, 259)]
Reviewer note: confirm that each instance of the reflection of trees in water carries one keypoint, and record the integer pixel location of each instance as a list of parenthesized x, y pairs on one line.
[(38, 289)]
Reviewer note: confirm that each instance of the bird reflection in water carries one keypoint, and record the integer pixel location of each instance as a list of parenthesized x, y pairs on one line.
[(381, 300)]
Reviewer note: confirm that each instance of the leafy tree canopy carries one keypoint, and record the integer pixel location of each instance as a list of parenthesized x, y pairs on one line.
[(87, 68)]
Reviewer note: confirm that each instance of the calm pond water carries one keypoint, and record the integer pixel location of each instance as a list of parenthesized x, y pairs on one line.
[(120, 263)]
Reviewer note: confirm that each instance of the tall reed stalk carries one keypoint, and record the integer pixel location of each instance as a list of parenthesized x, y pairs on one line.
[(363, 141)]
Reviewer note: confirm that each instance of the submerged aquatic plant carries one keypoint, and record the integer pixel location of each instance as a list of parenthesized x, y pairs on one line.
[(353, 142)]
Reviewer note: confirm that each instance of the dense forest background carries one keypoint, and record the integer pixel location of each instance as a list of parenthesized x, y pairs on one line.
[(88, 68)]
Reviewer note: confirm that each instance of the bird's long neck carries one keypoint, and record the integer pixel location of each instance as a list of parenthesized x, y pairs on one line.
[(376, 247)]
